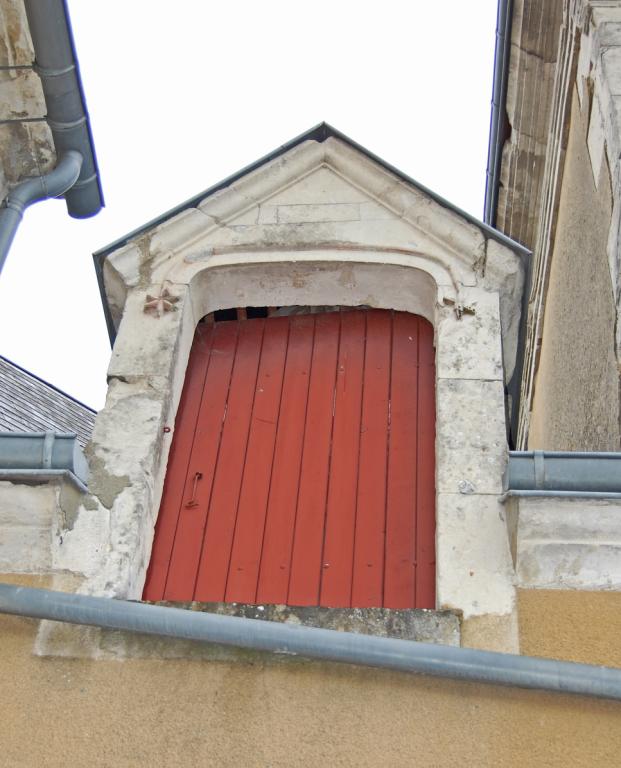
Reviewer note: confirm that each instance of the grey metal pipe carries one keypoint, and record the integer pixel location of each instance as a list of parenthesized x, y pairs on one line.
[(52, 184), (499, 96), (570, 472), (325, 644), (57, 66)]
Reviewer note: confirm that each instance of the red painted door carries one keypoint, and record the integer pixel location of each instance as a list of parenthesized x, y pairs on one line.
[(302, 466)]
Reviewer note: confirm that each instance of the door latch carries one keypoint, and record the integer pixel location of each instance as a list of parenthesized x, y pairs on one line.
[(193, 502)]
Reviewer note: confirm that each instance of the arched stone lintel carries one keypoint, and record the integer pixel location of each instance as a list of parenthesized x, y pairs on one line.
[(250, 280)]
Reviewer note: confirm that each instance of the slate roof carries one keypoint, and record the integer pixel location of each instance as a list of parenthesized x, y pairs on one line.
[(29, 404)]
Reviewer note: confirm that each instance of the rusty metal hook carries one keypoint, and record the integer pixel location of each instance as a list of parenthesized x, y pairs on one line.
[(193, 502)]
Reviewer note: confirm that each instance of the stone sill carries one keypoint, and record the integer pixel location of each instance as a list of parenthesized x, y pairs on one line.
[(421, 625)]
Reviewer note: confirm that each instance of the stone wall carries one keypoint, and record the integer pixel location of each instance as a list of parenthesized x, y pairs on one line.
[(556, 49), (32, 512), (26, 145)]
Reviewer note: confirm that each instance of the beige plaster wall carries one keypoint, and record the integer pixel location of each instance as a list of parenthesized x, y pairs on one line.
[(60, 712), (576, 401), (575, 625)]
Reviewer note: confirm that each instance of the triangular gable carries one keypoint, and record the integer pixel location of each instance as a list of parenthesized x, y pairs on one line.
[(320, 177)]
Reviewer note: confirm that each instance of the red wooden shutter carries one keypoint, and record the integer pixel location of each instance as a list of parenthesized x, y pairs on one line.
[(302, 466)]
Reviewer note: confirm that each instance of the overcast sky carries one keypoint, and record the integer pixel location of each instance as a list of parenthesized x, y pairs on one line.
[(183, 94)]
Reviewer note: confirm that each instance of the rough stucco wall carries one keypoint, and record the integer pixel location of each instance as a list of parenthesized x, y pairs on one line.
[(571, 624), (576, 402), (177, 713)]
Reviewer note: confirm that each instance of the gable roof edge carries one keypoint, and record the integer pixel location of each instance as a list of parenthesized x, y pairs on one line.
[(319, 133)]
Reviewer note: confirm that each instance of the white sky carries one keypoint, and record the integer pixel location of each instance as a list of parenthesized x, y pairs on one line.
[(183, 94)]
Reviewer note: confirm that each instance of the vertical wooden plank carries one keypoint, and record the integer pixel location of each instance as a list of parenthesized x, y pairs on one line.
[(179, 456), (338, 549), (426, 492), (248, 538), (368, 572), (400, 568), (304, 582), (200, 470), (216, 553), (278, 535)]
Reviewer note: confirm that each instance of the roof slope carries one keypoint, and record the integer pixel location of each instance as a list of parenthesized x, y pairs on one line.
[(29, 404)]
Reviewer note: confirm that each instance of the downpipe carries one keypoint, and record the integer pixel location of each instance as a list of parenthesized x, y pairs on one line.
[(324, 644), (26, 193)]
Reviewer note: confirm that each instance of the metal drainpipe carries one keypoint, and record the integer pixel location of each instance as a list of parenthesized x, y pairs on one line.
[(499, 96), (52, 184), (57, 66), (326, 644)]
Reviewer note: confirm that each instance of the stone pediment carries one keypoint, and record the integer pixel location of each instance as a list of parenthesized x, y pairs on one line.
[(317, 196)]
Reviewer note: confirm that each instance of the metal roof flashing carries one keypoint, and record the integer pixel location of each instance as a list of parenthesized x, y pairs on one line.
[(318, 133)]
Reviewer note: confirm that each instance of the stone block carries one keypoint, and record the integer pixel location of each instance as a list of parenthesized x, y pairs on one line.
[(21, 95), (470, 347), (299, 214), (596, 138), (375, 212), (145, 340), (268, 214), (28, 514), (611, 67), (569, 543), (584, 66), (474, 566), (424, 626), (470, 436), (609, 32), (179, 231), (606, 15), (316, 188)]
